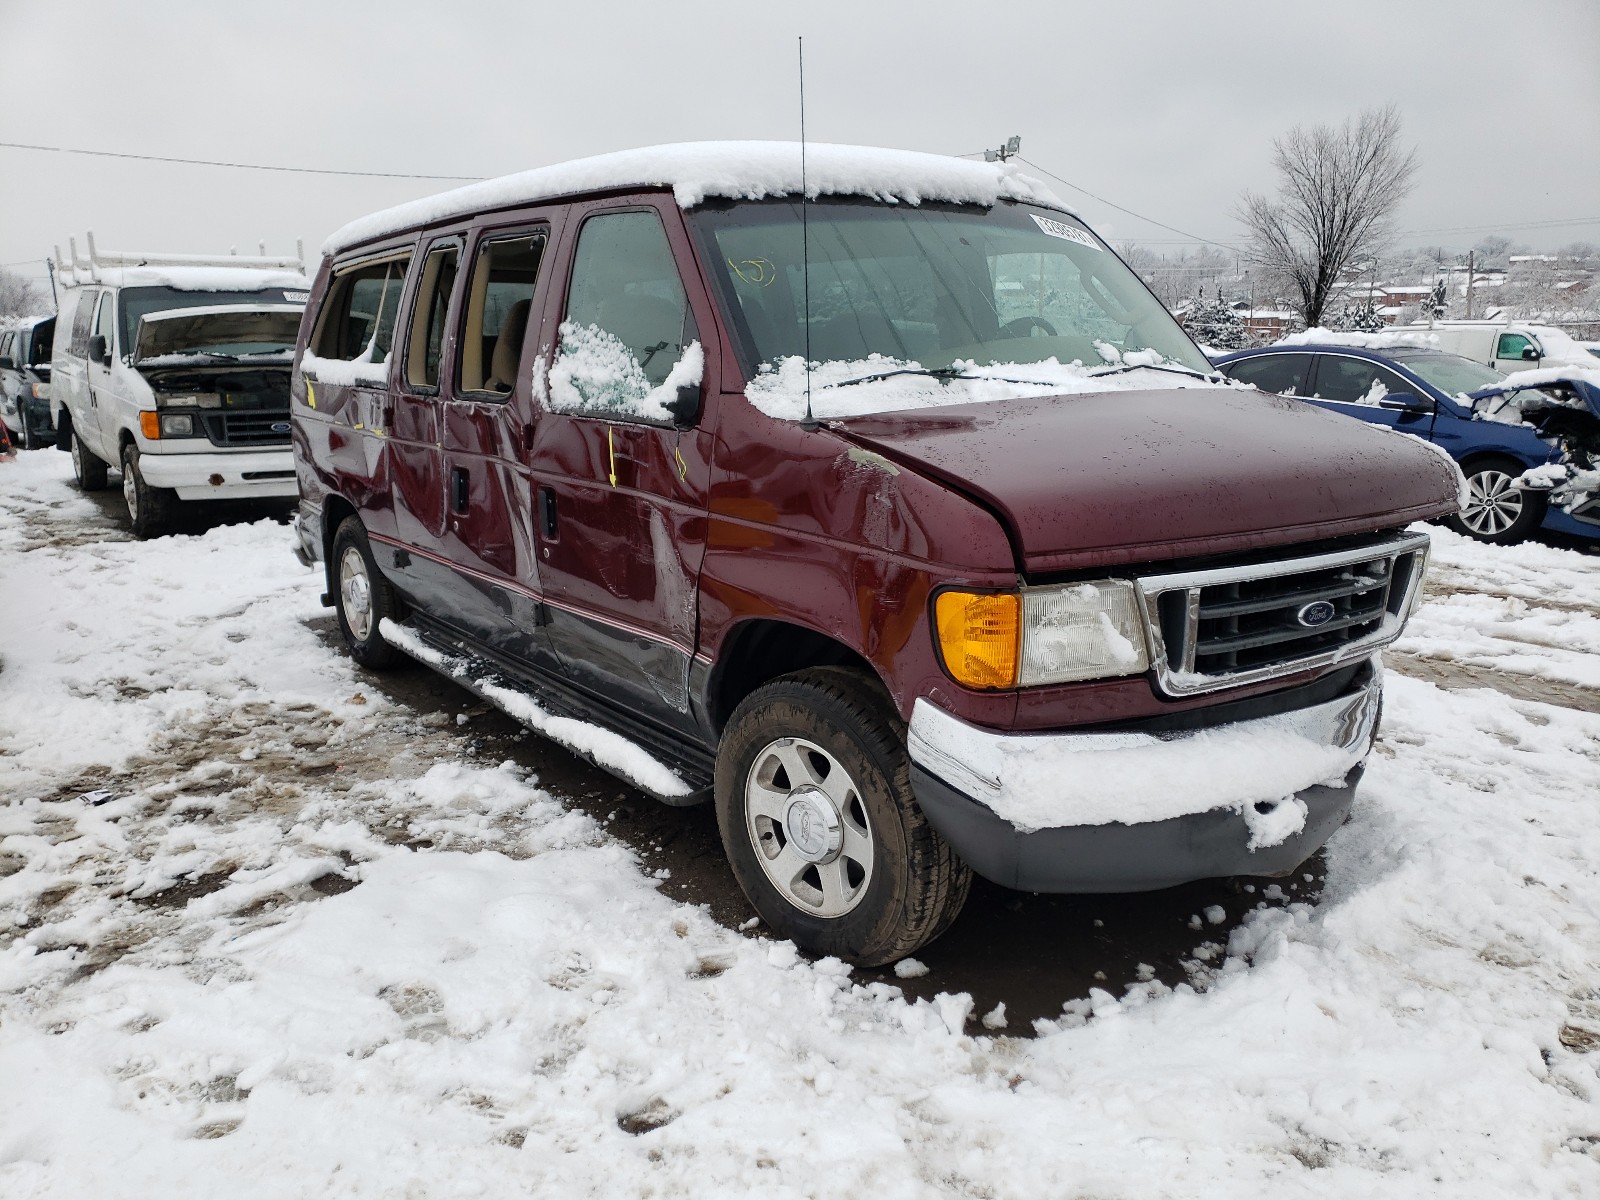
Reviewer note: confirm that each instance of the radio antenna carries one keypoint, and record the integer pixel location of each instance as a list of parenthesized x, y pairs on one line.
[(810, 421)]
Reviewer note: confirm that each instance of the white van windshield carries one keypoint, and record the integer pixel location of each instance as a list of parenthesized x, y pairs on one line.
[(136, 302), (936, 293)]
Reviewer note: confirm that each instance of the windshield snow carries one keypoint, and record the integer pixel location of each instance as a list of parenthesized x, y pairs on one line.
[(1017, 295)]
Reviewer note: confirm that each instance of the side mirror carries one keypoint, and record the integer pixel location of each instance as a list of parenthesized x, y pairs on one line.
[(1406, 402), (1531, 353), (685, 406), (6, 363), (98, 350)]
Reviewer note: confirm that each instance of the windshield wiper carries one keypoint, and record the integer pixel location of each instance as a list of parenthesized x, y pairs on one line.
[(1123, 368), (936, 373)]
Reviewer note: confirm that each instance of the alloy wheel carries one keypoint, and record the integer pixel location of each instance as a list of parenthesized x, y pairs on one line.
[(808, 824), (355, 593), (1494, 502)]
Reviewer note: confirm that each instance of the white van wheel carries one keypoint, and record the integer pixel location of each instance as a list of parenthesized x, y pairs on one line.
[(87, 469)]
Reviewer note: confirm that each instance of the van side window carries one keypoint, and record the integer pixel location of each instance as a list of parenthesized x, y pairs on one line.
[(78, 347), (358, 313), (627, 326), (499, 305), (1512, 345), (425, 341), (103, 324)]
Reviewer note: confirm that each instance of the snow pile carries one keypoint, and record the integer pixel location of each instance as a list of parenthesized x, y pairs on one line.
[(696, 171), (1042, 782), (781, 392), (610, 750), (385, 972), (1366, 341), (1545, 376), (338, 372), (595, 371)]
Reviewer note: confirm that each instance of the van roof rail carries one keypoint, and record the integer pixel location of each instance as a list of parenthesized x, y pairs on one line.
[(75, 269)]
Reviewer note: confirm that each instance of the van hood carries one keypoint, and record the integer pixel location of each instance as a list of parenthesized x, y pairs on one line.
[(202, 332), (1124, 477)]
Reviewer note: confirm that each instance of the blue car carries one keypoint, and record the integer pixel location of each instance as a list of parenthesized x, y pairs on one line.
[(1424, 392)]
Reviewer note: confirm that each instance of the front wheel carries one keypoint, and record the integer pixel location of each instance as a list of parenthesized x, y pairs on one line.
[(363, 598), (818, 819), (151, 510), (87, 468), (1497, 511)]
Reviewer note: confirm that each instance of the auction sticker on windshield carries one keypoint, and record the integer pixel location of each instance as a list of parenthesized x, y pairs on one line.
[(1070, 233)]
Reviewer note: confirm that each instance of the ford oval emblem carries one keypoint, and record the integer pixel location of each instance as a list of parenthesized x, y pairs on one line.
[(280, 427), (1318, 612)]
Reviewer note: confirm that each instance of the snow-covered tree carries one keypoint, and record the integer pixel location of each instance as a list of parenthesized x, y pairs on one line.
[(1215, 323), (1359, 318)]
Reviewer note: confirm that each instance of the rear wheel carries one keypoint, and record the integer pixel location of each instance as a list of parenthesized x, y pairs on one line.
[(151, 510), (87, 468), (363, 598), (818, 819), (1497, 511)]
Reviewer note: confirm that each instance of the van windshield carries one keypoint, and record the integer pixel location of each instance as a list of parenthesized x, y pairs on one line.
[(136, 302), (933, 304)]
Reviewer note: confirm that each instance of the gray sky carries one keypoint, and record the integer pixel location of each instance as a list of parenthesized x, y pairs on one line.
[(1166, 107)]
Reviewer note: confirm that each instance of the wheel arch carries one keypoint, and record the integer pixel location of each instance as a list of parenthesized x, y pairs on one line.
[(758, 650), (335, 510)]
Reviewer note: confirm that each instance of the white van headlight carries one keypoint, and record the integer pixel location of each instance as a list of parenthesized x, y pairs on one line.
[(177, 425)]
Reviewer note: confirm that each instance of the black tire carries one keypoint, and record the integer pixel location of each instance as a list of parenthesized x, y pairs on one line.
[(152, 511), (360, 629), (1487, 479), (63, 427), (88, 469), (916, 885), (26, 439)]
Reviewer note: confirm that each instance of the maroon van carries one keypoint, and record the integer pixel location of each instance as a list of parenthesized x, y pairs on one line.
[(903, 522)]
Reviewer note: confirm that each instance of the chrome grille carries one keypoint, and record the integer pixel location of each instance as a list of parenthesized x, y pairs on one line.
[(246, 427), (1230, 625)]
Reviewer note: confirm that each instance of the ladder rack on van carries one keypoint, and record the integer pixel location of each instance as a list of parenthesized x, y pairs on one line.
[(75, 270)]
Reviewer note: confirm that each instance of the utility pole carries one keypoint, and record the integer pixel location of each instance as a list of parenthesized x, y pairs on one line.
[(1471, 257), (1012, 148)]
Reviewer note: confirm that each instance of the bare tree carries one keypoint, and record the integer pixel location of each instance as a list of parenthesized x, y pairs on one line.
[(1337, 191), (21, 296)]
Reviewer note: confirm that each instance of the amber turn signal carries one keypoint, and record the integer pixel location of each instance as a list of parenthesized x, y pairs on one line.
[(150, 425), (980, 637)]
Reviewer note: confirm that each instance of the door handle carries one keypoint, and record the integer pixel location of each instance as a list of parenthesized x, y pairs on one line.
[(547, 514), (459, 488)]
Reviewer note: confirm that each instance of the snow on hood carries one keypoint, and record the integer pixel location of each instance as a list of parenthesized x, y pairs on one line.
[(185, 331), (729, 170)]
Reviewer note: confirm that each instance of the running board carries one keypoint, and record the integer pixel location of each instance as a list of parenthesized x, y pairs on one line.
[(671, 775)]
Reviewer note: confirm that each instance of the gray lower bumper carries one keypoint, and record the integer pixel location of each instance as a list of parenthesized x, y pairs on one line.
[(1124, 858), (1209, 786)]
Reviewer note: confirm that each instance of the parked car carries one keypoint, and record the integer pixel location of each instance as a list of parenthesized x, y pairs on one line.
[(1428, 393), (1505, 346), (25, 381), (832, 537), (176, 371)]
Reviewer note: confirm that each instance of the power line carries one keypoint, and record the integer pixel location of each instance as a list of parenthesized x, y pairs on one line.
[(1550, 224), (1112, 204), (207, 162)]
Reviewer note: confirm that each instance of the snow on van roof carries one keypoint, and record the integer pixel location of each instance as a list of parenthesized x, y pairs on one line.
[(696, 171), (192, 279)]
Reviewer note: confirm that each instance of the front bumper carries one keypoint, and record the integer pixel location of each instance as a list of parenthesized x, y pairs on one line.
[(1209, 826), (231, 475)]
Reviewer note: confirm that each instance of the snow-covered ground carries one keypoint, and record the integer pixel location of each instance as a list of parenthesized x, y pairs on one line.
[(265, 933)]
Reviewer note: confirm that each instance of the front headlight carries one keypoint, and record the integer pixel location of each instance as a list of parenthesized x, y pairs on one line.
[(41, 391), (1042, 635), (1081, 631), (177, 425)]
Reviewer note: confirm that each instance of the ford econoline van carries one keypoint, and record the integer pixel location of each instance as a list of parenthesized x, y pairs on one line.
[(1506, 346), (872, 498), (174, 369)]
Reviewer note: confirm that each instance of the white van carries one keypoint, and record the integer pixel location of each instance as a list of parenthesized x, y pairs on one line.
[(1505, 346), (174, 369)]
